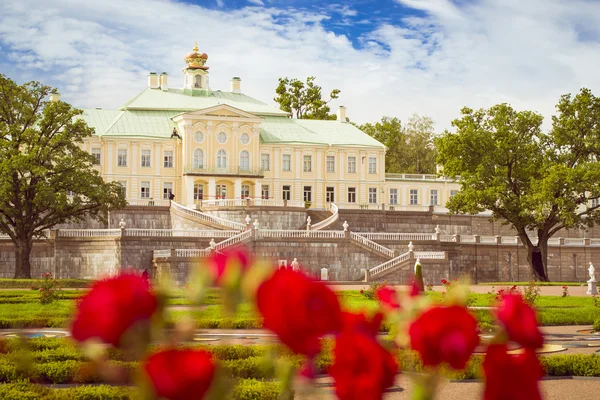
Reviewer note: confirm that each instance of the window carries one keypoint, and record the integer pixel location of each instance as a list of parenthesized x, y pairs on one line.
[(351, 195), (221, 159), (453, 193), (264, 162), (198, 137), (287, 192), (70, 193), (244, 161), (372, 165), (595, 202), (221, 192), (245, 191), (433, 197), (287, 162), (221, 137), (245, 139), (198, 191), (264, 191), (122, 157), (330, 164), (123, 187), (167, 190), (372, 195), (145, 157), (168, 159), (307, 193), (307, 163), (351, 165), (97, 156), (413, 196), (330, 194), (198, 159), (198, 81), (393, 196), (145, 190)]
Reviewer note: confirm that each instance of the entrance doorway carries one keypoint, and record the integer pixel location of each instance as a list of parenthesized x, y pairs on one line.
[(221, 192)]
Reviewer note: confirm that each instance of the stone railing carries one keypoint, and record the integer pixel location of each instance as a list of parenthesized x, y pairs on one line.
[(357, 206), (88, 232), (149, 202), (223, 203), (194, 233), (240, 237), (389, 264), (299, 234), (420, 177), (192, 253), (208, 218), (410, 207), (397, 236), (214, 170), (250, 202), (430, 255), (161, 253), (329, 220), (371, 244)]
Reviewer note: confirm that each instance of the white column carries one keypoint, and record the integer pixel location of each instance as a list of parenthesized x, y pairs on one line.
[(134, 158), (258, 188), (109, 157), (212, 188), (189, 191), (237, 188), (158, 158), (275, 162), (342, 157)]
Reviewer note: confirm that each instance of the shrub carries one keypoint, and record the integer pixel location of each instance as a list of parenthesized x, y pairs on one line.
[(252, 389), (371, 292), (596, 326), (419, 277), (49, 289)]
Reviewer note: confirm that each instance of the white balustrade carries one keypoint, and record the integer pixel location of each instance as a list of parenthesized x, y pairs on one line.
[(196, 233), (299, 234), (224, 203), (161, 253), (410, 207), (295, 203), (88, 232), (207, 217), (389, 264), (508, 240), (182, 253), (467, 239), (430, 255), (397, 236), (551, 241), (574, 242), (594, 242), (487, 239), (329, 220), (372, 244), (149, 202), (233, 240), (447, 238)]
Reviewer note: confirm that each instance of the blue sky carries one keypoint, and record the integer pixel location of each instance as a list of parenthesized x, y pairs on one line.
[(389, 57)]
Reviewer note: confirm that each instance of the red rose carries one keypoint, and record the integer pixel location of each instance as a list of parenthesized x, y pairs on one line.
[(444, 282), (229, 261), (444, 334), (362, 368), (519, 321), (361, 323), (111, 307), (511, 376), (388, 297), (298, 310), (180, 374)]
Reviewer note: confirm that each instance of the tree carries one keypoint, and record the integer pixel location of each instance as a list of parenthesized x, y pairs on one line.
[(535, 181), (304, 101), (410, 146), (45, 177)]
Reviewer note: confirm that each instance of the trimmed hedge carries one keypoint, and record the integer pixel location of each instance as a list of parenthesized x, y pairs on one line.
[(28, 283), (596, 326)]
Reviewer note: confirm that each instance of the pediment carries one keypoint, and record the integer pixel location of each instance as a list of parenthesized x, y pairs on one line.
[(221, 112)]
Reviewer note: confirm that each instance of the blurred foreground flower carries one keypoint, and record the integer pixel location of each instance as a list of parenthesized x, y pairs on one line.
[(444, 334), (299, 310), (511, 376), (519, 321), (362, 368), (180, 374), (388, 297), (362, 323), (112, 307)]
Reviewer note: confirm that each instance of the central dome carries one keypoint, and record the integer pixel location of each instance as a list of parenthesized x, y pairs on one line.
[(195, 60)]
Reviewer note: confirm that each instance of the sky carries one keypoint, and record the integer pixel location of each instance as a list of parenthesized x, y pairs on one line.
[(388, 57)]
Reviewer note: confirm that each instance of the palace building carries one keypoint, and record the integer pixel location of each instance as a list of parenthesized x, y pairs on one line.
[(202, 145)]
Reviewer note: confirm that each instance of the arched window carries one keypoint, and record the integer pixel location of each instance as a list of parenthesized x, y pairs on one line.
[(221, 159), (198, 159), (198, 81), (244, 161)]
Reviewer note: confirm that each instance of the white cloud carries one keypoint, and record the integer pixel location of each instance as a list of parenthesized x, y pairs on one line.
[(220, 3), (475, 54), (256, 2)]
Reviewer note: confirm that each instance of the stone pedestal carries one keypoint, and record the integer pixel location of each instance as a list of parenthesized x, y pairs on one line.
[(592, 287)]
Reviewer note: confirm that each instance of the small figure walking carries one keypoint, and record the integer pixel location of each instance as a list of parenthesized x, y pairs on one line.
[(146, 276)]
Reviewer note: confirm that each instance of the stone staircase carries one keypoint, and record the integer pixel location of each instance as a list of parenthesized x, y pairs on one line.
[(316, 216), (405, 262)]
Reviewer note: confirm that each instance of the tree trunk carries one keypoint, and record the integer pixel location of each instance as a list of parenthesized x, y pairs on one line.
[(537, 256), (22, 252)]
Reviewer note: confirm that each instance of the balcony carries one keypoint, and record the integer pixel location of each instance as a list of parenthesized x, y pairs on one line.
[(229, 171)]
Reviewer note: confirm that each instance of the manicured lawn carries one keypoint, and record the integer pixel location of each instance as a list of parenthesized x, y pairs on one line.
[(503, 284)]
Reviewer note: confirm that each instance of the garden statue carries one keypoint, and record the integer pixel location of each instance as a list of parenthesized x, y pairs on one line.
[(308, 220), (295, 265), (437, 229), (256, 224), (345, 225), (592, 273), (212, 243), (248, 220), (592, 283), (411, 246), (122, 224)]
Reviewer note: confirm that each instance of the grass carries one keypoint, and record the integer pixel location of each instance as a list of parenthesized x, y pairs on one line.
[(503, 284), (28, 283)]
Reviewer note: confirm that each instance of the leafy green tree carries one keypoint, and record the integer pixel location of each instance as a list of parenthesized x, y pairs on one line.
[(304, 100), (410, 147), (535, 181), (45, 177)]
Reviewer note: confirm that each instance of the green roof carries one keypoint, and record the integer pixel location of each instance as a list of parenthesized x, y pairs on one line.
[(309, 131), (175, 99), (156, 124)]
